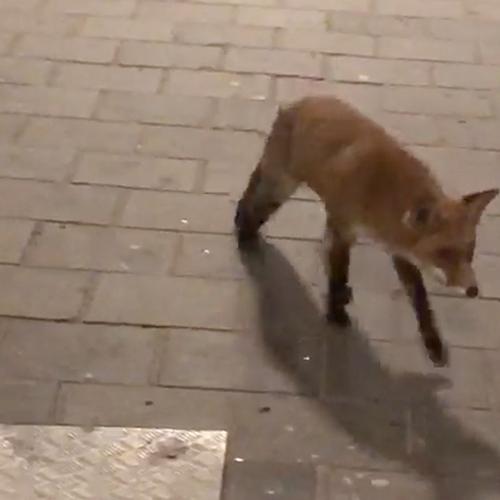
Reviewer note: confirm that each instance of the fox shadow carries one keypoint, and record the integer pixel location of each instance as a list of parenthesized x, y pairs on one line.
[(456, 463)]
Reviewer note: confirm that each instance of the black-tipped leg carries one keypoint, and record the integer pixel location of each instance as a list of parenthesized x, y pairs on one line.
[(339, 296), (339, 291), (411, 279), (247, 231)]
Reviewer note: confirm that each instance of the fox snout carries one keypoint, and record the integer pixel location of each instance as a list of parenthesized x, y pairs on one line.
[(465, 279)]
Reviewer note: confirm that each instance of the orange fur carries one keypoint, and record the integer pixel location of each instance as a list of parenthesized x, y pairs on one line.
[(370, 183)]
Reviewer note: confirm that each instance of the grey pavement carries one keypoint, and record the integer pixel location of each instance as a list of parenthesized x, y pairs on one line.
[(128, 129)]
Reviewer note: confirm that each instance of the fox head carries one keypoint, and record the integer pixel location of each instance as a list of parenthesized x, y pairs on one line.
[(447, 237)]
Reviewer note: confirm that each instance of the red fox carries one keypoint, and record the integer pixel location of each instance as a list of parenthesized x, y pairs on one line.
[(368, 182)]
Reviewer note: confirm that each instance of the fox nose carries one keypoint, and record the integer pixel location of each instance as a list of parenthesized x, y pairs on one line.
[(472, 292)]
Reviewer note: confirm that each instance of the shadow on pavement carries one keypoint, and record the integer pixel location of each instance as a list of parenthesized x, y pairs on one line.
[(456, 463)]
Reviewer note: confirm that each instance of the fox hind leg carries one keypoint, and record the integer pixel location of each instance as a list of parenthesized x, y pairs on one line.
[(338, 256), (270, 184), (264, 195)]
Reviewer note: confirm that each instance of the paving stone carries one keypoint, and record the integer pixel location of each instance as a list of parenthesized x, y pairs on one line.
[(16, 234), (411, 129), (461, 29), (80, 353), (488, 236), (425, 49), (466, 76), (33, 163), (377, 25), (326, 42), (220, 360), (490, 54), (496, 103), (217, 84), (478, 134), (488, 272), (462, 171), (468, 323), (298, 219), (484, 10), (179, 212), (58, 202), (467, 384), (35, 22), (366, 98), (299, 430), (216, 256), (164, 55), (255, 480), (274, 62), (118, 8), (268, 3), (291, 88), (22, 71), (454, 487), (231, 179), (208, 255), (433, 101), (349, 483), (374, 70), (280, 18), (11, 125), (21, 5), (464, 443), (47, 101), (41, 293), (91, 76), (202, 144), (119, 405), (85, 134), (103, 249), (341, 5), (131, 29), (457, 132), (165, 301), (155, 109), (492, 359), (165, 174), (245, 114), (27, 401), (181, 12), (227, 177), (222, 34), (6, 41), (77, 49), (414, 8)]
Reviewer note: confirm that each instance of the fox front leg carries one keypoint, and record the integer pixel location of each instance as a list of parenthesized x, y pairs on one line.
[(338, 256), (411, 279)]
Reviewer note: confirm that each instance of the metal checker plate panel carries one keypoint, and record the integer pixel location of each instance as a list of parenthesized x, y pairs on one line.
[(108, 463)]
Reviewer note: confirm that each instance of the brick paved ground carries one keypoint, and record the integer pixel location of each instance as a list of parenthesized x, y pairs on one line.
[(127, 131)]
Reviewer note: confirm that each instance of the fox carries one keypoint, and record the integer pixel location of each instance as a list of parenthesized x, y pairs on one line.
[(370, 185)]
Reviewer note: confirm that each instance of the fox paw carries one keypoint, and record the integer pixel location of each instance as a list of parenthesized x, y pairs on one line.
[(338, 317), (245, 230), (339, 295), (437, 352)]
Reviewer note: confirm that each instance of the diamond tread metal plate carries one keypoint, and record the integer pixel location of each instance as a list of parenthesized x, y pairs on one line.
[(108, 463)]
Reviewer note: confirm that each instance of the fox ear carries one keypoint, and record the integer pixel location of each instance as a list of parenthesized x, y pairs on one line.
[(475, 203)]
